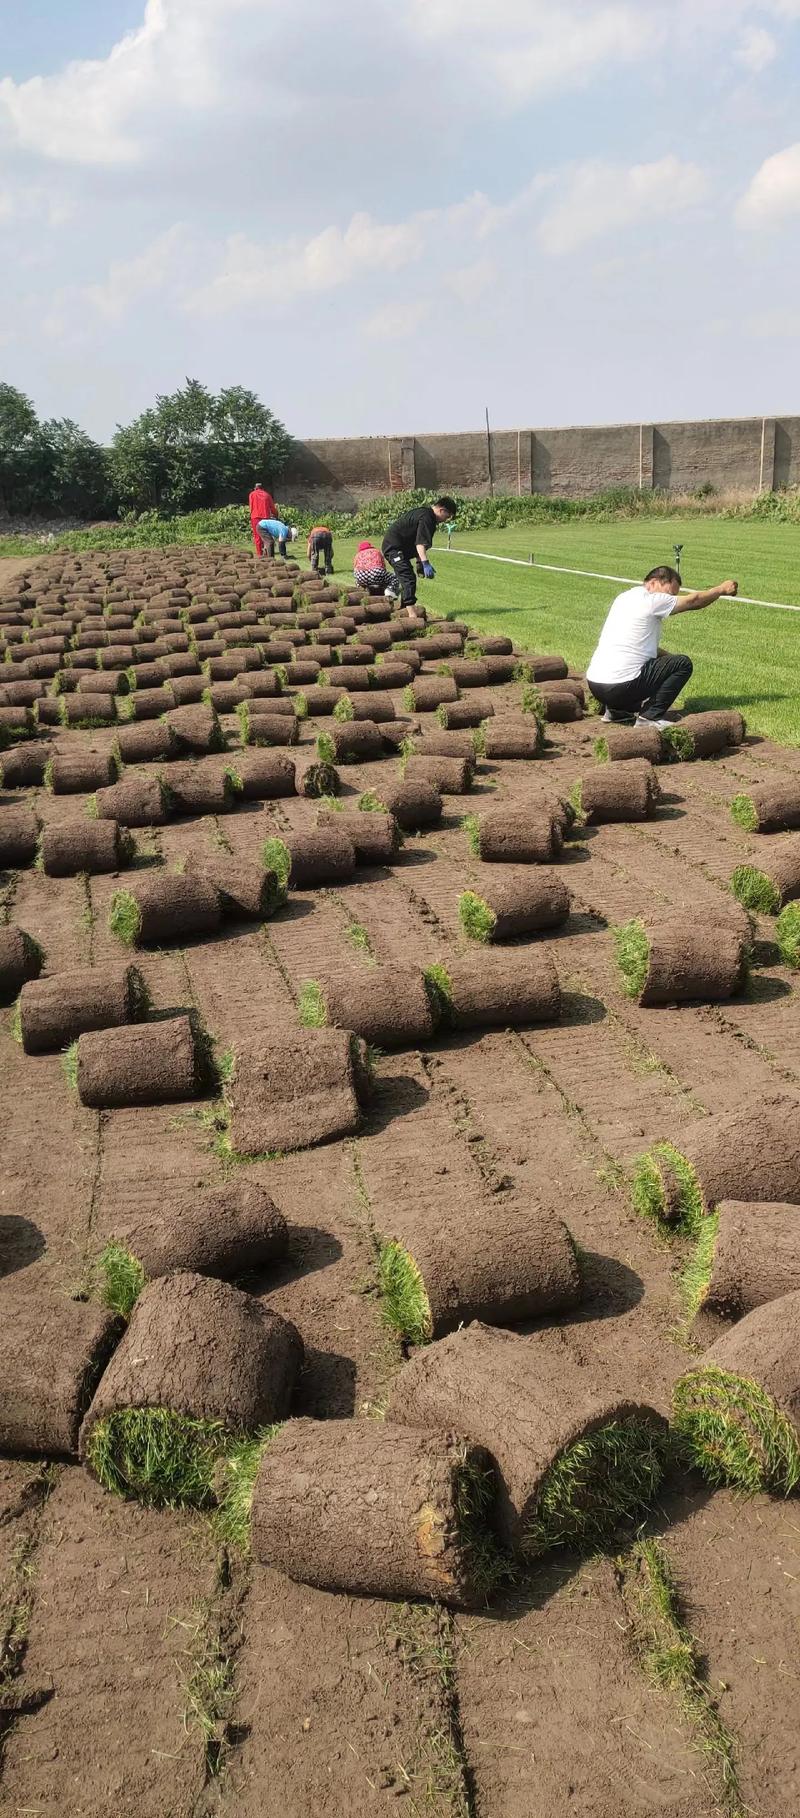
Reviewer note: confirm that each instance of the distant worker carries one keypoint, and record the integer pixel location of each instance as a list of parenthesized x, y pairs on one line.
[(626, 673), (320, 543), (273, 531), (262, 505), (369, 569), (409, 536)]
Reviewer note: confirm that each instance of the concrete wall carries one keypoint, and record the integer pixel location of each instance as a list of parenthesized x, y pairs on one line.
[(745, 455)]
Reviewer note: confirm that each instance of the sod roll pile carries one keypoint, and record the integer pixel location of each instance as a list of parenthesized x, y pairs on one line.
[(628, 792), (500, 1266), (751, 1255), (516, 836), (85, 846), (773, 879), (376, 1511), (166, 906), (577, 1454), (675, 959), (738, 1409), (750, 1154), (54, 1011), (52, 1353), (387, 1006), (513, 902), (21, 958), (223, 1231), (294, 1091), (769, 807), (142, 1064), (200, 1364), (496, 989)]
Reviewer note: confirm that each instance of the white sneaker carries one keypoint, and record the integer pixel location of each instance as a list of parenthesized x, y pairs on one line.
[(660, 725), (615, 719), (391, 593)]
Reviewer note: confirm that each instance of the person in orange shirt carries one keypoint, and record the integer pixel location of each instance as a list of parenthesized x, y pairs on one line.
[(320, 543), (262, 505)]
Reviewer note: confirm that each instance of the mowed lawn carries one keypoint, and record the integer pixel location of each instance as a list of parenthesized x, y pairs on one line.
[(744, 656)]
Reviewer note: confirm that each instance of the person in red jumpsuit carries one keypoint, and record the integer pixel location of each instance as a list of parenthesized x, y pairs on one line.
[(262, 505)]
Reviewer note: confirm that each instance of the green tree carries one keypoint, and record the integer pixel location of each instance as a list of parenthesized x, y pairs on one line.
[(193, 449), (79, 480), (24, 455)]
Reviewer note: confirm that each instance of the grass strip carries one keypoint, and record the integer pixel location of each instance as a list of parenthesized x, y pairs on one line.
[(311, 1006), (695, 1275), (603, 1479), (648, 1189), (158, 1456), (120, 1278), (239, 1470), (326, 750), (474, 1494), (678, 743), (405, 1303), (439, 987), (275, 856), (671, 1659), (477, 919), (633, 956), (125, 918), (472, 827), (601, 751), (734, 1433), (787, 930), (533, 702), (69, 1064), (743, 810), (755, 890), (369, 803), (344, 709)]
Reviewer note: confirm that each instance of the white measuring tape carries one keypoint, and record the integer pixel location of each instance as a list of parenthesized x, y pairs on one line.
[(593, 574)]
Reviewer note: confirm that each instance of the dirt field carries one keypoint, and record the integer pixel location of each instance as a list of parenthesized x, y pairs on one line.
[(150, 1672)]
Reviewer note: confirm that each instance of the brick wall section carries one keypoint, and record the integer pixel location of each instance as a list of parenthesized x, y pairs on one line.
[(729, 454)]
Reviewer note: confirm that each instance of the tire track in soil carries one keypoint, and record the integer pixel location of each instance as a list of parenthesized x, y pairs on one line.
[(114, 1584), (25, 1486)]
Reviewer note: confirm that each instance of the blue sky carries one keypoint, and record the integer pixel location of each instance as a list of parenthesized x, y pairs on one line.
[(385, 215)]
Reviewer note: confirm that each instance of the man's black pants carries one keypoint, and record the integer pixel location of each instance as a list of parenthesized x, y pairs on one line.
[(403, 573), (322, 545), (269, 546), (651, 692)]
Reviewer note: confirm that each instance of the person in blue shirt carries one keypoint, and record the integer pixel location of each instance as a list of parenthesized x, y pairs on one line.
[(272, 531)]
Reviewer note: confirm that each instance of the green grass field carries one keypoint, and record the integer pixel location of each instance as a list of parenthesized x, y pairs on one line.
[(744, 656)]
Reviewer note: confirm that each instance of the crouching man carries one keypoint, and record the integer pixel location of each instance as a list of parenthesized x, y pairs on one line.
[(626, 674)]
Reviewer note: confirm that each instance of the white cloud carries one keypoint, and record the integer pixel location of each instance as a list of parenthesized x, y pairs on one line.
[(756, 49), (531, 47), (471, 282), (254, 273), (396, 321), (774, 192), (600, 198), (149, 273)]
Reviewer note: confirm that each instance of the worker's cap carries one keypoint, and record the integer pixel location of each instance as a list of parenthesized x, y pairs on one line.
[(366, 544)]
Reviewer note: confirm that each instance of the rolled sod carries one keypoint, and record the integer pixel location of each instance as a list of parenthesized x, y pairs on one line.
[(387, 1006), (446, 745), (320, 703), (23, 766), (622, 742), (223, 1231), (508, 741), (496, 990), (750, 1154), (775, 880), (196, 729), (87, 709), (148, 743), (200, 1364), (314, 776), (448, 775), (298, 675), (21, 958), (630, 793), (80, 772), (19, 837), (390, 674), (54, 1011), (271, 729), (261, 684), (52, 1353), (148, 704), (569, 684), (494, 646), (787, 930), (90, 846), (675, 958), (468, 673), (529, 836), (752, 1256), (513, 903), (323, 855), (366, 707), (294, 1091), (142, 1064), (372, 1510), (164, 906), (246, 890), (738, 1410), (264, 775), (95, 682), (375, 837), (426, 693), (434, 1277), (561, 706), (576, 1453), (700, 735), (350, 742), (353, 677), (201, 787), (186, 690), (138, 801), (544, 668), (769, 808), (415, 805)]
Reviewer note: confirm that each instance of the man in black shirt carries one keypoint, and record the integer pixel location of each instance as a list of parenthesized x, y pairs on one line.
[(411, 535)]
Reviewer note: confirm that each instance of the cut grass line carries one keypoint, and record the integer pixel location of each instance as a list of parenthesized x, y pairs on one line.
[(120, 1278), (209, 1687), (424, 1638), (671, 1660)]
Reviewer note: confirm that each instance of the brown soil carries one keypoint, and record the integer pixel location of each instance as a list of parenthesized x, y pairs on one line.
[(542, 1702)]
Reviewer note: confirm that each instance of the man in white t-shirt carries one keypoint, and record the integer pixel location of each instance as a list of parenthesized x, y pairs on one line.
[(626, 673)]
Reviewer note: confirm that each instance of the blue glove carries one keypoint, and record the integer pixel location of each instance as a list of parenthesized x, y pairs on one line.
[(429, 571)]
